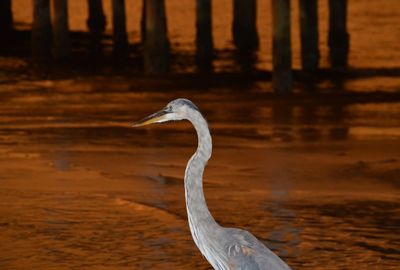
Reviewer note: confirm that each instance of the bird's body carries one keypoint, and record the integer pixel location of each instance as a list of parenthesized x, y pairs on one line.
[(224, 248)]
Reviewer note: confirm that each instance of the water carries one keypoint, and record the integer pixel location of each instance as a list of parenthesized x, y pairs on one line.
[(317, 182), (316, 178), (372, 26)]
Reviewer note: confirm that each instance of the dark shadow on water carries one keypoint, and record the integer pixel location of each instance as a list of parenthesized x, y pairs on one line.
[(237, 69)]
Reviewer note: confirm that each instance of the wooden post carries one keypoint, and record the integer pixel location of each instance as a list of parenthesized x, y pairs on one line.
[(309, 34), (41, 29), (143, 22), (96, 24), (244, 28), (119, 27), (6, 18), (338, 39), (61, 40), (156, 47), (281, 47), (204, 40)]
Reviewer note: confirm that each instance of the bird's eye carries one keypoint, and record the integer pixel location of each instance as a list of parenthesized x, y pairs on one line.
[(169, 108)]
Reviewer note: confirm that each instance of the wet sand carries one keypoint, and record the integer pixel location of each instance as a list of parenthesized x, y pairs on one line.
[(318, 182)]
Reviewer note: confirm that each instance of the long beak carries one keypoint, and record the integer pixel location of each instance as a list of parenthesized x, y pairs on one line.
[(157, 117)]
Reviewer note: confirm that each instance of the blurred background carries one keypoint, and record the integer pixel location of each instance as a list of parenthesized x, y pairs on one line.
[(302, 99)]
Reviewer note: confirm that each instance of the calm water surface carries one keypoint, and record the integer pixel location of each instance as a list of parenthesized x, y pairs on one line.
[(80, 189), (317, 181)]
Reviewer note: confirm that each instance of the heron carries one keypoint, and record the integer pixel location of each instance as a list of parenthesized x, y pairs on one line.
[(224, 248)]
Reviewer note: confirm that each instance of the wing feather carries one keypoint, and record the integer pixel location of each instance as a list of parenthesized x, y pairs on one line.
[(248, 253)]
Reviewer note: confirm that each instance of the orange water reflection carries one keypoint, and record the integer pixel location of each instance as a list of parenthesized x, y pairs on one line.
[(81, 189)]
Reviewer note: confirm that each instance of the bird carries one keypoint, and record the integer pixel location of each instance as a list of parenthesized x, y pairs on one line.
[(224, 248)]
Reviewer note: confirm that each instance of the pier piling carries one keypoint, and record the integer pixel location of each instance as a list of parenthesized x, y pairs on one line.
[(6, 17), (143, 22), (281, 47), (120, 38), (61, 39), (204, 40), (156, 44), (96, 24), (41, 29), (338, 39), (308, 10), (245, 36), (53, 36)]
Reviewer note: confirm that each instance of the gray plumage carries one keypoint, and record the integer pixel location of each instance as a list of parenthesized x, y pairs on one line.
[(224, 248)]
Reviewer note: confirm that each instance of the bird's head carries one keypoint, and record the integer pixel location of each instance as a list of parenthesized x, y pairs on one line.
[(177, 109)]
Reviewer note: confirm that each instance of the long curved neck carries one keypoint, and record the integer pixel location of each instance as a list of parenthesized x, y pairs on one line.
[(201, 223)]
